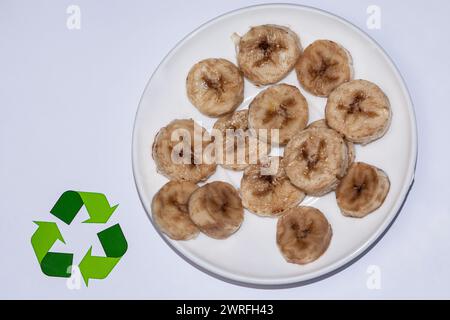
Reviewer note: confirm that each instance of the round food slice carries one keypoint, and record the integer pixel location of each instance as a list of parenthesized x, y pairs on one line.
[(303, 234), (175, 154), (315, 159), (359, 110), (266, 190), (215, 87), (323, 66), (350, 146), (267, 53), (362, 190), (281, 107), (240, 146), (170, 210), (216, 209)]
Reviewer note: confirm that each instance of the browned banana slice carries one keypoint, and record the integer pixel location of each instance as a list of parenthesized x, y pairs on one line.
[(215, 87), (170, 210), (315, 159), (266, 190), (216, 209), (303, 234), (362, 190), (350, 146), (280, 107), (359, 110), (267, 53), (175, 153), (323, 66), (241, 146)]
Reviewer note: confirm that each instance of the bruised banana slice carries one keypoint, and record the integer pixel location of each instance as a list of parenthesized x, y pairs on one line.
[(350, 146), (323, 66), (280, 107), (267, 53), (175, 153), (266, 190), (240, 146), (216, 209), (362, 190), (215, 87), (315, 160), (303, 234), (170, 210), (359, 110)]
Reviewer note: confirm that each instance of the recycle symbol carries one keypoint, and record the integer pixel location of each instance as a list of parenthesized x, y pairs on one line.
[(112, 239)]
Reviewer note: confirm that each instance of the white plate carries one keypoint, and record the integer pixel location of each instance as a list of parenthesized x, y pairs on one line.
[(251, 256)]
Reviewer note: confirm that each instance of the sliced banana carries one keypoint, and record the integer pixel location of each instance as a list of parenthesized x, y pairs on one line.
[(175, 154), (303, 234), (362, 190), (241, 146), (216, 209), (323, 66), (350, 146), (280, 107), (215, 87), (315, 160), (170, 210), (266, 190), (359, 110), (267, 53)]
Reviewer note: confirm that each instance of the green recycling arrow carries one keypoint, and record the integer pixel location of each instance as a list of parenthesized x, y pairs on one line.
[(52, 263), (93, 267), (114, 244), (70, 202), (112, 239)]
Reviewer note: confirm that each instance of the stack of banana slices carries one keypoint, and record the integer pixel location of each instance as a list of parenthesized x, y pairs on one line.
[(319, 157)]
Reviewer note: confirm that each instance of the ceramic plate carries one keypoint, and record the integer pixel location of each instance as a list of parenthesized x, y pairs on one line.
[(251, 256)]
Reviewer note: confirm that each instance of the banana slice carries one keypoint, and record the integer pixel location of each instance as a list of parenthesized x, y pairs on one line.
[(362, 190), (215, 87), (280, 107), (350, 146), (359, 110), (178, 160), (323, 66), (170, 210), (316, 158), (267, 53), (303, 234), (241, 146), (216, 209), (266, 190)]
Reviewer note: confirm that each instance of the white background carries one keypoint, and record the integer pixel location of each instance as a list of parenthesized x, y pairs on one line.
[(68, 100)]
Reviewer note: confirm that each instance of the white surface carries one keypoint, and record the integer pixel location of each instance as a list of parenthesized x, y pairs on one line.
[(251, 254), (68, 100)]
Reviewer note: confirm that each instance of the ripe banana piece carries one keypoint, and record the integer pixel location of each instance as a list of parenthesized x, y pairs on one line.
[(362, 190), (241, 146), (315, 160), (216, 209), (280, 107), (303, 234), (178, 160), (359, 110), (267, 53), (170, 210), (323, 66), (215, 87), (350, 146), (266, 190)]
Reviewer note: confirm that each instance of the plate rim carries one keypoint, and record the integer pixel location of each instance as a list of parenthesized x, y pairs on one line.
[(338, 265)]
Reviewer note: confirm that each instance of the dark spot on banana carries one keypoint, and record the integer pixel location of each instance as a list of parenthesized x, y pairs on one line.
[(355, 107), (268, 49), (215, 84)]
